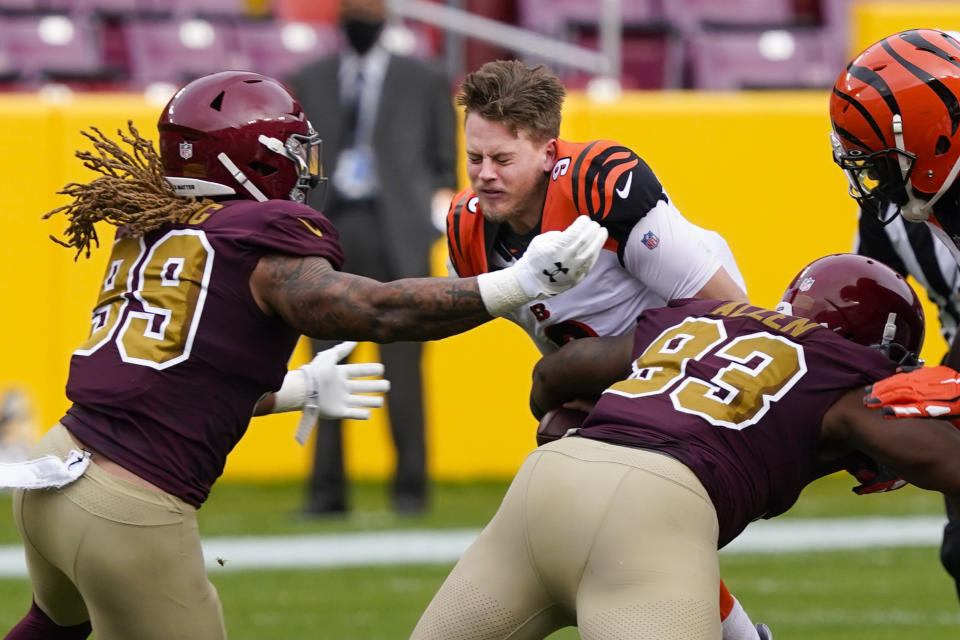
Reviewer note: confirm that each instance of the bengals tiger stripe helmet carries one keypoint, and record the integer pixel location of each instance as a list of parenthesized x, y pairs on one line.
[(895, 113), (238, 133)]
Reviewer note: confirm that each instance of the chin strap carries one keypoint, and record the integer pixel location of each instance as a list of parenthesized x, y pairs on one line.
[(917, 210), (946, 183), (889, 329), (241, 178)]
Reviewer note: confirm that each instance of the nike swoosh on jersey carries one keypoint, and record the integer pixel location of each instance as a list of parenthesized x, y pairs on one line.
[(623, 193), (312, 227)]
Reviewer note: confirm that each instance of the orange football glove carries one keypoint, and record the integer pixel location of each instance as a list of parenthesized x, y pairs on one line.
[(927, 392)]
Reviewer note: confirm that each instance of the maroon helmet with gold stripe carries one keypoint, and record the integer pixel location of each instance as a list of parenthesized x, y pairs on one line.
[(237, 132)]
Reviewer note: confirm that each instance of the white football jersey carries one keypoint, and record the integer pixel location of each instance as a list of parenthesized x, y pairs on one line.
[(653, 254), (666, 257)]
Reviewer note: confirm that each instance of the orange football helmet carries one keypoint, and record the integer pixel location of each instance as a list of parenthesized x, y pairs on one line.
[(895, 112)]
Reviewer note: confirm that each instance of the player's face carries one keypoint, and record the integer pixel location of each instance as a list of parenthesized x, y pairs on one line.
[(508, 172)]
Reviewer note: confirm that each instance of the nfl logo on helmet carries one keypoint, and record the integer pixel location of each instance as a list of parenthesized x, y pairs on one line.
[(186, 150)]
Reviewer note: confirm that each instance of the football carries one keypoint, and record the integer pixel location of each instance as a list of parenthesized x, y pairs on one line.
[(556, 422)]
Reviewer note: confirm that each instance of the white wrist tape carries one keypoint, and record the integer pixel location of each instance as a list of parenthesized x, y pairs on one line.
[(292, 393), (502, 291)]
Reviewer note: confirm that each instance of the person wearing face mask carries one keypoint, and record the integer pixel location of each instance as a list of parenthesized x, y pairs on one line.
[(389, 133)]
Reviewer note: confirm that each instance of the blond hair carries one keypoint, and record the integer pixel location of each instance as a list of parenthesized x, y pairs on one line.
[(131, 192), (523, 98)]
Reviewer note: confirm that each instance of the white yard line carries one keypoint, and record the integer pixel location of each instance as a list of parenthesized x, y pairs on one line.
[(445, 546)]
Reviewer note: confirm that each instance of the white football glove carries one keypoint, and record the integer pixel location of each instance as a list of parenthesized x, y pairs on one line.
[(554, 262), (324, 389)]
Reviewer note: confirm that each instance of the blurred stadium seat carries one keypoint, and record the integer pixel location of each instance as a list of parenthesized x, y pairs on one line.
[(705, 44), (16, 6), (782, 58), (652, 56), (95, 7), (278, 48), (53, 47), (213, 9), (699, 44), (179, 49), (556, 17), (690, 14)]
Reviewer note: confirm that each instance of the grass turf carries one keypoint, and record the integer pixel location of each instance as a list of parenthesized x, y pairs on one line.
[(882, 594)]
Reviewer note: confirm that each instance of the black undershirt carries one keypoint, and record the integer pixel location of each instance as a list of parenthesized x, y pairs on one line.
[(511, 245)]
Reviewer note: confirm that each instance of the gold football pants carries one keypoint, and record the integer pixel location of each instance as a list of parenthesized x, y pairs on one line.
[(125, 557), (621, 542)]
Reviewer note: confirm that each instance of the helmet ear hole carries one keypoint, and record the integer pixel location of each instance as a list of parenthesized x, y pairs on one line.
[(262, 168), (943, 145)]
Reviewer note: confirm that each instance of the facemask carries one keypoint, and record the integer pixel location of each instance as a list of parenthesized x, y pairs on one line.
[(362, 34)]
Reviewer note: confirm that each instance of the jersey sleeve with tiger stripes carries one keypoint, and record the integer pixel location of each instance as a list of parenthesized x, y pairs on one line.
[(609, 183)]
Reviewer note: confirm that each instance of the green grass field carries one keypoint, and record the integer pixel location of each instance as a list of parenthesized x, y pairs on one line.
[(888, 594)]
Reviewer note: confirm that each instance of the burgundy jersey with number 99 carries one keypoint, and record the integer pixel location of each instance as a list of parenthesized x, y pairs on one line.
[(179, 352)]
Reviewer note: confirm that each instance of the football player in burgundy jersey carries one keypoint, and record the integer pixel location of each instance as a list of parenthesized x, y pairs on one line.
[(895, 115), (216, 269), (710, 415), (525, 180)]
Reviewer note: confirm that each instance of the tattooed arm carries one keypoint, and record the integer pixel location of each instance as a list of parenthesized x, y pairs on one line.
[(321, 302), (314, 298)]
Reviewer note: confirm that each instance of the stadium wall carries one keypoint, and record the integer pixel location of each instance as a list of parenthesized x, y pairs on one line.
[(755, 167)]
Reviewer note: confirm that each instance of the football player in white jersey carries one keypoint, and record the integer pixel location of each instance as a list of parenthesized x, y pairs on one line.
[(526, 181)]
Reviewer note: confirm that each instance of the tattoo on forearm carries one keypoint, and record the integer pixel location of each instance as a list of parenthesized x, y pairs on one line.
[(324, 303)]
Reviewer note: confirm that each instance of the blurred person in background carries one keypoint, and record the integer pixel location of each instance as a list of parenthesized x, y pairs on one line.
[(389, 134), (895, 114), (707, 416), (525, 180), (216, 270), (18, 424)]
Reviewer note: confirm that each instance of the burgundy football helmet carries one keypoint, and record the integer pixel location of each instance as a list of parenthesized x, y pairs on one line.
[(895, 112), (861, 299), (237, 132)]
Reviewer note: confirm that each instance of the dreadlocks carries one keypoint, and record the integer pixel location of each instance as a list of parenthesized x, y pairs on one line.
[(131, 192)]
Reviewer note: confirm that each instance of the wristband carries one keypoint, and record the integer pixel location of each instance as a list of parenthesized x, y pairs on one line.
[(502, 292), (292, 393)]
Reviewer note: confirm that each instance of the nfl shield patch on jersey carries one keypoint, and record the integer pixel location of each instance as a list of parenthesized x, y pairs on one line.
[(650, 240)]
